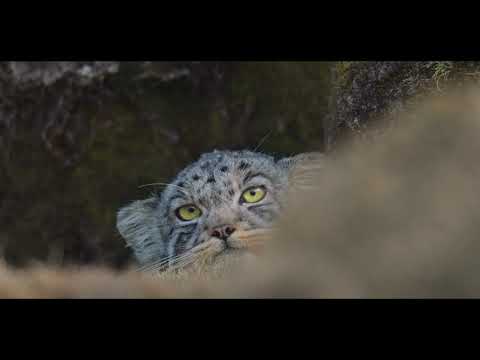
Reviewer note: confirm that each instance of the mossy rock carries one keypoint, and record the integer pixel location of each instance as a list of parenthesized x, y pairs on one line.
[(364, 92)]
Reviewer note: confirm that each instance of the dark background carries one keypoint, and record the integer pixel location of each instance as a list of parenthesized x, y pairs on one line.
[(77, 140)]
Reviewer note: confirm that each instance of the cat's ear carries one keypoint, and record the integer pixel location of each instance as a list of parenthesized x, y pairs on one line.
[(136, 223), (303, 168), (303, 159)]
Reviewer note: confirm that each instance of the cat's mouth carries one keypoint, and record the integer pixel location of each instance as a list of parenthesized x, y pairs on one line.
[(241, 242), (253, 240)]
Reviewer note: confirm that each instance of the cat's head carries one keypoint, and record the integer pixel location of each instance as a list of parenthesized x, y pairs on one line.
[(205, 206)]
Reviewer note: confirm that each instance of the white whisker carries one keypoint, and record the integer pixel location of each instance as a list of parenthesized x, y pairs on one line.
[(168, 260), (262, 140), (165, 184)]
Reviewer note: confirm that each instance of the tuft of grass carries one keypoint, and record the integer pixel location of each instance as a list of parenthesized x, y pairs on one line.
[(441, 72)]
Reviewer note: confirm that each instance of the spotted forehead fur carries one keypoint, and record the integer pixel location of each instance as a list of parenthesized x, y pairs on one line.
[(219, 174)]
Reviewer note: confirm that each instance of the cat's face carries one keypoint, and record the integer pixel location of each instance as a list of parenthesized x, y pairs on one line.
[(206, 205)]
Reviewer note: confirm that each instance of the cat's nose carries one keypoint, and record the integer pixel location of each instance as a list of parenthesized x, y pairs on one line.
[(222, 232)]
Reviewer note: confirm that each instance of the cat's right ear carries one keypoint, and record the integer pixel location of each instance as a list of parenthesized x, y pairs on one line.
[(136, 223), (303, 168), (303, 159)]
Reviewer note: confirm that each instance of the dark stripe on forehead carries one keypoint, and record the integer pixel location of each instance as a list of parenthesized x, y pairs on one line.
[(248, 176), (251, 175), (174, 197), (243, 165)]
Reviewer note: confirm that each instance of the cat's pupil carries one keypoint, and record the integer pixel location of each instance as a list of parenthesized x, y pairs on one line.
[(252, 192), (191, 209)]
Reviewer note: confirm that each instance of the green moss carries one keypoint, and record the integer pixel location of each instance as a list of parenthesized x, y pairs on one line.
[(441, 72), (342, 71)]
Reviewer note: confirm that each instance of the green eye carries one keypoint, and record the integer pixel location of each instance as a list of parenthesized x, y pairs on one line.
[(254, 194), (188, 212)]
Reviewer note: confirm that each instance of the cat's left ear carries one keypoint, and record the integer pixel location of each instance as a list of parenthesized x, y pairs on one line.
[(137, 224)]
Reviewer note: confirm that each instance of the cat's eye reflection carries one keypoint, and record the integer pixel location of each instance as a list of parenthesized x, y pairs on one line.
[(188, 212), (253, 194)]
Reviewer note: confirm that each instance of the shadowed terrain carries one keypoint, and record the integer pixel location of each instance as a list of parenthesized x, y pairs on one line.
[(396, 217)]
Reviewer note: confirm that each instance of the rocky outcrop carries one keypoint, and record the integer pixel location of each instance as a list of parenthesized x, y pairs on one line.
[(364, 92)]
